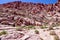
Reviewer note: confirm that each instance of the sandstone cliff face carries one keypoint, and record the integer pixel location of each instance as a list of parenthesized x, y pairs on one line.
[(21, 13)]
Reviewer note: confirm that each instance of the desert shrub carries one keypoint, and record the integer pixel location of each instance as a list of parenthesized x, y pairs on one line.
[(36, 31), (42, 27), (3, 32), (52, 33), (56, 37), (29, 27), (19, 28)]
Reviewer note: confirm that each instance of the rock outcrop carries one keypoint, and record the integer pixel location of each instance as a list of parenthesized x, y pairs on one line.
[(23, 14)]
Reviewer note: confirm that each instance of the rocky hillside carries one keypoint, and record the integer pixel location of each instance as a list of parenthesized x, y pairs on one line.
[(23, 14), (29, 21)]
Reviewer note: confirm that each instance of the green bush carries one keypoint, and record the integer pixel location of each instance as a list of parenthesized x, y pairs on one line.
[(42, 27), (29, 27), (36, 31), (3, 32)]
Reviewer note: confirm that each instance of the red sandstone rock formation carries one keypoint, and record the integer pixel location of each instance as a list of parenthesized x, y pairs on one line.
[(20, 13)]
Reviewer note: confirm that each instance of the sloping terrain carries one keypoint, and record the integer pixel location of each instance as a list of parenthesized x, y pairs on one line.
[(29, 21), (18, 13)]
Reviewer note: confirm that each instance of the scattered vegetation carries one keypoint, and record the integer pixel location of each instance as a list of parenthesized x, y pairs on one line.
[(58, 24), (3, 32), (56, 37), (43, 26), (52, 33), (55, 25), (19, 28), (29, 27), (36, 31)]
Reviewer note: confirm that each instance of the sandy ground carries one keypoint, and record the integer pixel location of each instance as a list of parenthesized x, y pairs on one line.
[(13, 34)]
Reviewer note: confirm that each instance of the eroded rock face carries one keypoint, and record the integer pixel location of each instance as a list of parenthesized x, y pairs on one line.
[(18, 13)]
